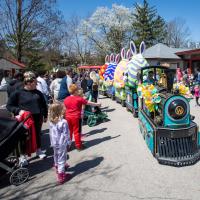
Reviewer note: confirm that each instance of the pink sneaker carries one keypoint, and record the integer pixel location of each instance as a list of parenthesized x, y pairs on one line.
[(62, 177)]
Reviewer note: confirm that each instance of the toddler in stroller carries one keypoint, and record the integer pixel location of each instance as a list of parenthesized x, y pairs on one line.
[(93, 115), (11, 131)]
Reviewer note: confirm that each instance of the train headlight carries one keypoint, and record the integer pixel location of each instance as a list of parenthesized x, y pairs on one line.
[(177, 109)]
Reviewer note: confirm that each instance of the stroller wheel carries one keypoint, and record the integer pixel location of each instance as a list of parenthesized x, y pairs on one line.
[(91, 121), (19, 176), (13, 160)]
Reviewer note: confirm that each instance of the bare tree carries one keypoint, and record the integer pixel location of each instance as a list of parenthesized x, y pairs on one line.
[(177, 33), (76, 43), (25, 22)]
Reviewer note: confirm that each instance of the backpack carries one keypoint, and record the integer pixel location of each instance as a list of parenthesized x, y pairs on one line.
[(63, 92)]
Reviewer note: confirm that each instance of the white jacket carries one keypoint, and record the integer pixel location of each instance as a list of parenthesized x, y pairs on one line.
[(55, 87), (42, 86)]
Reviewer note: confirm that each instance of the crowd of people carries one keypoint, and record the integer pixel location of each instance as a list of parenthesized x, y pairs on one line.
[(59, 96), (192, 81)]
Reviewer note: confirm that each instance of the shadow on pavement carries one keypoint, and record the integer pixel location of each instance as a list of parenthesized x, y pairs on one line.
[(85, 166), (38, 166), (103, 97), (23, 193), (93, 132), (103, 108), (97, 141), (109, 110)]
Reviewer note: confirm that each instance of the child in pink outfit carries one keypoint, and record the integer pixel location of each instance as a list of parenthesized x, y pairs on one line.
[(196, 94), (60, 139)]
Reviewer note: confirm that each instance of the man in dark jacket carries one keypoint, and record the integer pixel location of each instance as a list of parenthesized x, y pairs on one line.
[(84, 85), (15, 84)]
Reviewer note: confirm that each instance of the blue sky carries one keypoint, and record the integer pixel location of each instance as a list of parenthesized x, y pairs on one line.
[(189, 10)]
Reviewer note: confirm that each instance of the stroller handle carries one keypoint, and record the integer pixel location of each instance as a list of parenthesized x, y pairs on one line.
[(26, 118)]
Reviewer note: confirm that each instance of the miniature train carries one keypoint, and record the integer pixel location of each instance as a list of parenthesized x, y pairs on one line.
[(167, 126), (163, 112)]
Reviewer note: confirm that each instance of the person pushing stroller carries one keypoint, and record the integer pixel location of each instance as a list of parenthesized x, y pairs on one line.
[(30, 99), (73, 105)]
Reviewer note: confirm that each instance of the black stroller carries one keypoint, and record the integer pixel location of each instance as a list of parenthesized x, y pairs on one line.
[(11, 131)]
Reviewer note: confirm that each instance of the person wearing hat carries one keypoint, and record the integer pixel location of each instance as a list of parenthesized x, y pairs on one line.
[(95, 84), (32, 100)]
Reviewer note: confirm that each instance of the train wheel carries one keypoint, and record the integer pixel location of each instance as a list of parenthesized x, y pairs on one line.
[(135, 113), (123, 103)]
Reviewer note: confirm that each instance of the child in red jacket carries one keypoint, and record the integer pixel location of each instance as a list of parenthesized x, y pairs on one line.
[(73, 106)]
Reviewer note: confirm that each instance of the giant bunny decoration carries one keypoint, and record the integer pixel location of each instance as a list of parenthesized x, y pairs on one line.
[(136, 63), (119, 83), (109, 73), (121, 68), (109, 76)]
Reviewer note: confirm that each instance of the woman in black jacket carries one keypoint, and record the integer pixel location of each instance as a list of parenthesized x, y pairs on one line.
[(32, 100)]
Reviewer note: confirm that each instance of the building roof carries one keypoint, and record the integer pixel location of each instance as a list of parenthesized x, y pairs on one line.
[(180, 49), (188, 52), (7, 64), (17, 63), (161, 51)]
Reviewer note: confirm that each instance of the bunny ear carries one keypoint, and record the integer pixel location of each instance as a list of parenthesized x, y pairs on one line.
[(142, 47), (117, 58), (107, 59), (133, 48), (128, 54), (112, 57), (123, 53)]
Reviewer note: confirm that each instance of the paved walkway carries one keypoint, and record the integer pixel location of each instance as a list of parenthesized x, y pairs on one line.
[(116, 165)]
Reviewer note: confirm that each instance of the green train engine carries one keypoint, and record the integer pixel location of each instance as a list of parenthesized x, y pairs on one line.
[(164, 118)]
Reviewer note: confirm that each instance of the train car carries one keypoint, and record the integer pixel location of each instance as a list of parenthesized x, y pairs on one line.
[(164, 118), (119, 83), (136, 63), (109, 76), (102, 87)]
